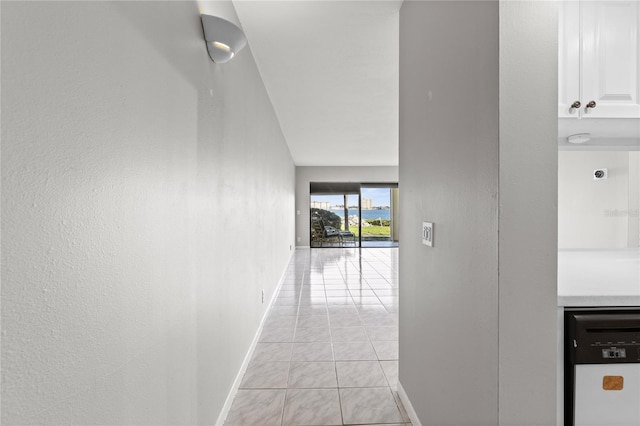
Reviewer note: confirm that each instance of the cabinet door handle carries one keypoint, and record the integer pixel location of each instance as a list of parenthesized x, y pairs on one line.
[(575, 105), (591, 104)]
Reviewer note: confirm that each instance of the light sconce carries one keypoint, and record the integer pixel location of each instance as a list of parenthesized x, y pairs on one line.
[(224, 39)]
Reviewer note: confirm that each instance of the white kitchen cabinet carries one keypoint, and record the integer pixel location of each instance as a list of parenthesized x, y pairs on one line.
[(599, 68)]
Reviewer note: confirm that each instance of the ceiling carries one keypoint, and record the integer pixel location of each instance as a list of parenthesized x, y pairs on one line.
[(331, 71)]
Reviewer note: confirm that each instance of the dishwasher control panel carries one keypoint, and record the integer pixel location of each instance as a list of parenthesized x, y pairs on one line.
[(602, 337), (612, 353)]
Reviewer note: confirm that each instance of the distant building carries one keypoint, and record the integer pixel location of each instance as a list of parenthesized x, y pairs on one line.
[(323, 205), (367, 204)]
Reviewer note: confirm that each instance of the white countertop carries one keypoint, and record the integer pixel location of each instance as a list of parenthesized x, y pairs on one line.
[(599, 277)]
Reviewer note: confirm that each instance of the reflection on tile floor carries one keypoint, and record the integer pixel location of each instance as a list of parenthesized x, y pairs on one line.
[(328, 354)]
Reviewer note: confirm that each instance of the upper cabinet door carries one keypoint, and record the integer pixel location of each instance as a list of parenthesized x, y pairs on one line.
[(610, 58), (603, 61), (569, 60)]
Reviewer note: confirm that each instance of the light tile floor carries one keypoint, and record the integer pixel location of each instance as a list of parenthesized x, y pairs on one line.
[(328, 353)]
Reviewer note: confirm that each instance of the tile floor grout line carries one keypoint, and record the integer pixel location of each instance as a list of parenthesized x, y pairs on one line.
[(329, 270), (295, 328)]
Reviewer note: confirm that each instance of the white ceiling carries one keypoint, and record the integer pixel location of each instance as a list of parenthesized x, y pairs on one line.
[(331, 71)]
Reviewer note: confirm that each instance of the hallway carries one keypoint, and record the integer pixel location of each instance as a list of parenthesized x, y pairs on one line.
[(328, 353)]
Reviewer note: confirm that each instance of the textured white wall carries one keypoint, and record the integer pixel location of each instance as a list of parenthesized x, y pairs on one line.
[(593, 213), (307, 174), (147, 198), (478, 310), (448, 175), (634, 199), (528, 212)]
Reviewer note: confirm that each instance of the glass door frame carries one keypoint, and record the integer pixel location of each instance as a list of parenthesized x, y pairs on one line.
[(349, 188), (393, 239), (333, 189)]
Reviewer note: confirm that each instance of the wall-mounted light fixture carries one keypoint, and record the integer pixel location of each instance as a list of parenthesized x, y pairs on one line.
[(224, 39)]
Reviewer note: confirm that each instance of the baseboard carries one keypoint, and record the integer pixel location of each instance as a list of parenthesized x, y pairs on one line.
[(407, 406), (245, 363)]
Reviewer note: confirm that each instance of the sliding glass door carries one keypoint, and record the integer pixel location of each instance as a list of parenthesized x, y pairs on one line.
[(379, 215), (353, 215), (332, 207)]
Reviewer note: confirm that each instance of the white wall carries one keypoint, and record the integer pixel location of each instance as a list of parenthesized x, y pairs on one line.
[(479, 305), (307, 174), (448, 164), (593, 213), (528, 213), (140, 185), (634, 199)]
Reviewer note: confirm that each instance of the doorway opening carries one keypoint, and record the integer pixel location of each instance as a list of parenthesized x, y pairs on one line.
[(347, 214)]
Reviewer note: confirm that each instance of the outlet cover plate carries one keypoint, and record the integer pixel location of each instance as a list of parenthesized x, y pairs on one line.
[(427, 234)]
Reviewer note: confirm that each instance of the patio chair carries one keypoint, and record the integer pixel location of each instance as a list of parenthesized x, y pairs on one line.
[(324, 233), (348, 234)]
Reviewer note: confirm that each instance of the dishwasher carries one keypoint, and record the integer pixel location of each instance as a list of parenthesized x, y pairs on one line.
[(602, 367)]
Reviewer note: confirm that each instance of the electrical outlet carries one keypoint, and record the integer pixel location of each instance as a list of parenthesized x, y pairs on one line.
[(427, 234), (262, 296), (600, 174)]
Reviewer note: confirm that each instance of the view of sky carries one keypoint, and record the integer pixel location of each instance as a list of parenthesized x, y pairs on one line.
[(380, 197)]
